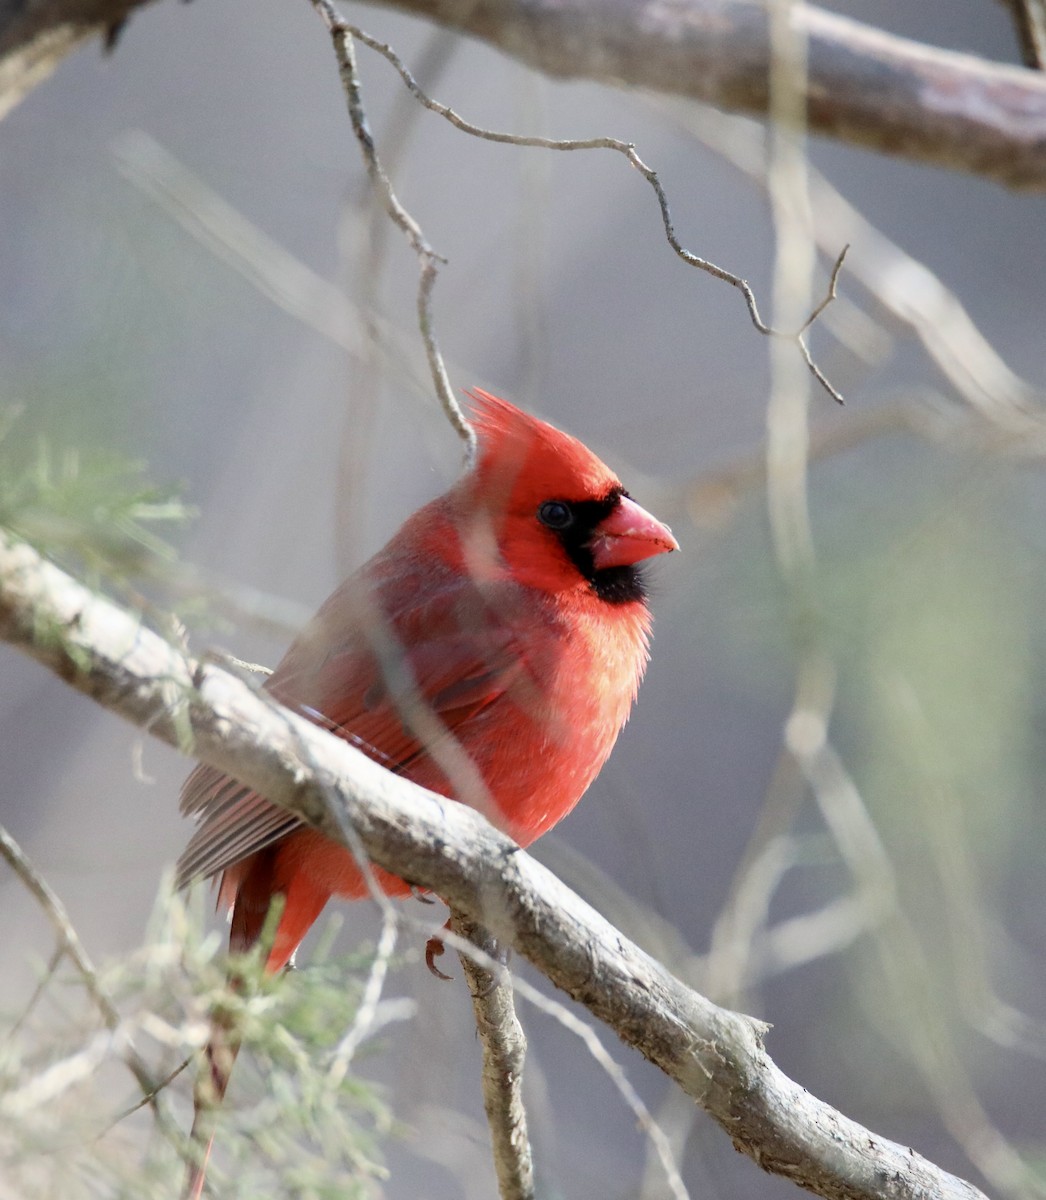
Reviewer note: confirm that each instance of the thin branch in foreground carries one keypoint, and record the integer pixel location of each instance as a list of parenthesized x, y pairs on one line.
[(42, 984), (504, 1051), (165, 1082), (716, 1056), (344, 48), (366, 1017), (72, 948), (262, 262), (350, 32)]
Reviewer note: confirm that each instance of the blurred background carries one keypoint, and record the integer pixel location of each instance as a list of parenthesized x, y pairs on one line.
[(194, 277)]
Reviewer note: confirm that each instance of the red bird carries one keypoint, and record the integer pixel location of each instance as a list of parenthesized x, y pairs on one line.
[(490, 652)]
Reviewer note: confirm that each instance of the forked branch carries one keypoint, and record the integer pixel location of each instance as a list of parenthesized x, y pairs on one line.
[(345, 34)]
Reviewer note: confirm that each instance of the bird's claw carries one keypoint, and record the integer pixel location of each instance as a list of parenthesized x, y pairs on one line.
[(434, 948)]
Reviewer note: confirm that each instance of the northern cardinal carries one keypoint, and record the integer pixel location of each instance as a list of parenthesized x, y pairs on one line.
[(490, 652)]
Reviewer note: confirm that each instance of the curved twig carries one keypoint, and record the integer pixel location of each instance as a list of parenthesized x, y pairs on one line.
[(628, 150), (343, 37)]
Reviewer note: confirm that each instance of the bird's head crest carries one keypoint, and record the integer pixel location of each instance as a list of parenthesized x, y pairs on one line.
[(518, 453)]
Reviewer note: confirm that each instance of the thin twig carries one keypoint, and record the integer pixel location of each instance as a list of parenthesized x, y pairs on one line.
[(42, 985), (504, 1051), (364, 239), (342, 35), (167, 1080), (73, 949), (829, 296), (901, 283), (349, 32), (364, 1021)]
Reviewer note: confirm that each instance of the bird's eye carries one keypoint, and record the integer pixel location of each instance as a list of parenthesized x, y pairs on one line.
[(555, 514)]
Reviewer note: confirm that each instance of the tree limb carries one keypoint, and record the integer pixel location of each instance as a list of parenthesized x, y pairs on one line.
[(504, 1052), (715, 1056), (866, 87), (35, 35)]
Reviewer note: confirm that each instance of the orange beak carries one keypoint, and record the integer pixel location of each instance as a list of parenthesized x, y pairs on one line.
[(629, 535)]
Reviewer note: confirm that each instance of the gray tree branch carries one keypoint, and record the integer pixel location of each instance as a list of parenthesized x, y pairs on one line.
[(866, 87), (716, 1056), (35, 35), (504, 1052)]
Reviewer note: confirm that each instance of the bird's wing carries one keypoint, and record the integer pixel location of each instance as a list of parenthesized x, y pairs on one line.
[(449, 675)]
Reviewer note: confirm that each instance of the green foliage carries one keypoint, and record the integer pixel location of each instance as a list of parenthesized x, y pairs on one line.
[(95, 512), (291, 1124)]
